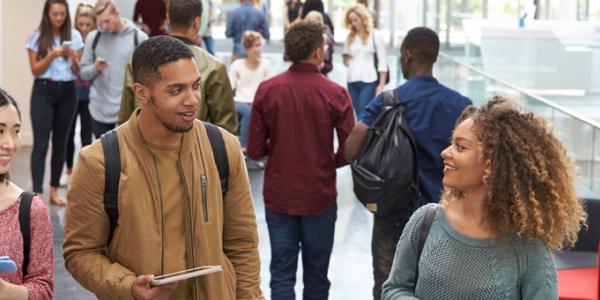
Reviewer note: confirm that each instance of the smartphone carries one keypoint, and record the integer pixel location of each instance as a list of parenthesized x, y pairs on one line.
[(7, 265), (185, 274), (66, 44)]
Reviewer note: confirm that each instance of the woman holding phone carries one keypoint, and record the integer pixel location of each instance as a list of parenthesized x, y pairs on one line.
[(363, 44), (34, 274), (54, 49), (85, 22)]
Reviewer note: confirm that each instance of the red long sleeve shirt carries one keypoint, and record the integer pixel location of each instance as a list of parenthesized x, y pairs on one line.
[(293, 120)]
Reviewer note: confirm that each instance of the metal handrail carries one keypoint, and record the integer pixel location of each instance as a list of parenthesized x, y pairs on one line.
[(520, 90)]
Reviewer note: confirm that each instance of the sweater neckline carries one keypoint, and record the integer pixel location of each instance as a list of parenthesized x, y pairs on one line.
[(470, 241)]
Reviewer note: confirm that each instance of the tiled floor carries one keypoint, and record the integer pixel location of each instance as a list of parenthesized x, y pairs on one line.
[(350, 269)]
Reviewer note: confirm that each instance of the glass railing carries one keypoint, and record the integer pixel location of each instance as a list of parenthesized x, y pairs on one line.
[(580, 135)]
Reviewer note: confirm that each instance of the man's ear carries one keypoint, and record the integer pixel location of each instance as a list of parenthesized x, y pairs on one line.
[(407, 55), (197, 23), (142, 92)]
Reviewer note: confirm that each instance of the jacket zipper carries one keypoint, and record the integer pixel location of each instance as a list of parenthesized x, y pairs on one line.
[(204, 204)]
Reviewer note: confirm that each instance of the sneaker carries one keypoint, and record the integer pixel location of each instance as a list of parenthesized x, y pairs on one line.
[(64, 180), (254, 165)]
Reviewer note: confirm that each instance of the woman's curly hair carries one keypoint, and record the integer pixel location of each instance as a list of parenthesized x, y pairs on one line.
[(530, 177)]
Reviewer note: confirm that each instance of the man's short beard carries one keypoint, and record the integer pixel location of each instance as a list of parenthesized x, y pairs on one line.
[(171, 127), (175, 128)]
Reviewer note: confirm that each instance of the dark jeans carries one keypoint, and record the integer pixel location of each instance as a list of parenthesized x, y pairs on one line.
[(244, 110), (85, 132), (288, 234), (361, 94), (53, 106), (386, 234), (209, 44), (99, 128)]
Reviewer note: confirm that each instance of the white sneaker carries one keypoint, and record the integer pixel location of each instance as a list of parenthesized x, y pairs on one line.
[(64, 180)]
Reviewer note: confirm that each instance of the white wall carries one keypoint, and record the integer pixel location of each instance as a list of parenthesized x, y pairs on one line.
[(17, 20)]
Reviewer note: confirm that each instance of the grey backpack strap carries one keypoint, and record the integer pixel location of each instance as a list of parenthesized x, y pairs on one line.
[(112, 176), (220, 154), (424, 232), (25, 225)]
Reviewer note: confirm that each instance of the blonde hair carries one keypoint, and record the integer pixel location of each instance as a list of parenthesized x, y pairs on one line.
[(316, 17), (366, 18), (250, 37), (529, 176), (85, 10), (103, 5)]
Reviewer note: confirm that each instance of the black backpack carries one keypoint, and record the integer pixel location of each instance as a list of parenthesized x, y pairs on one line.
[(385, 169), (112, 170)]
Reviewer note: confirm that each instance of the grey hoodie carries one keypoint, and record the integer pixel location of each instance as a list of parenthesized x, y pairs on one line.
[(116, 49)]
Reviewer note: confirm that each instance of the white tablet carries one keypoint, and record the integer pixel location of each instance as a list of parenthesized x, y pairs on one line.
[(185, 274)]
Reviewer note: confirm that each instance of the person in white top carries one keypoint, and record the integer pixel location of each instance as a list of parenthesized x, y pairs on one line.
[(245, 75), (365, 78)]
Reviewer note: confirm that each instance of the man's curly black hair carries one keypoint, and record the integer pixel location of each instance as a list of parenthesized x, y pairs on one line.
[(154, 53), (302, 39)]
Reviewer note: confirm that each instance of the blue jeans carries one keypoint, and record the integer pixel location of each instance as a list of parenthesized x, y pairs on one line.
[(209, 43), (244, 110), (314, 234), (361, 94)]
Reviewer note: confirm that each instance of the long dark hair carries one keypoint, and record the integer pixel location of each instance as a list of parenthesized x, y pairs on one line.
[(46, 36), (5, 100)]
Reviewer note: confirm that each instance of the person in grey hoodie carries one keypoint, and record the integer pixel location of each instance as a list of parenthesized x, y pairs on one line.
[(105, 56)]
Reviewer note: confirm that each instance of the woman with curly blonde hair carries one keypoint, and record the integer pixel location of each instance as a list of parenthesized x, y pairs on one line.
[(361, 48), (510, 199)]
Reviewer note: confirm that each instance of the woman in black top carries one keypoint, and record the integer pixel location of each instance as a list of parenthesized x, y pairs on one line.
[(317, 5), (293, 12)]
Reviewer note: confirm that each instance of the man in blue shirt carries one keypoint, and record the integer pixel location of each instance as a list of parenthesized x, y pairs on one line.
[(245, 17), (431, 112)]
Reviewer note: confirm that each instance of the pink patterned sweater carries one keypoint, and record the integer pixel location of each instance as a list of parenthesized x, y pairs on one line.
[(40, 272)]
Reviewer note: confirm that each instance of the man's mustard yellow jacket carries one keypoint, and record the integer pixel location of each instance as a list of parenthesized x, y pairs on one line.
[(224, 233)]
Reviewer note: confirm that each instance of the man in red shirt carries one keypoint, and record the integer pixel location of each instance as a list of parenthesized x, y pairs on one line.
[(151, 16), (293, 119)]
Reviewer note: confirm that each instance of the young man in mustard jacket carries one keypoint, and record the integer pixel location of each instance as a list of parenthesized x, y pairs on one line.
[(172, 214)]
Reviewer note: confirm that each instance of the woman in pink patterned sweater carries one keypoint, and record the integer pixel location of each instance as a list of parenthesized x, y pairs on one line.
[(38, 280)]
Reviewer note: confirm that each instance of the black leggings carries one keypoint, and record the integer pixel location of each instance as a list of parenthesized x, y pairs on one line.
[(53, 105), (85, 131)]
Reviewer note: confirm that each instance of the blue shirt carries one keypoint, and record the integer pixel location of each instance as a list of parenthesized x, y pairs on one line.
[(431, 113), (60, 68), (245, 17)]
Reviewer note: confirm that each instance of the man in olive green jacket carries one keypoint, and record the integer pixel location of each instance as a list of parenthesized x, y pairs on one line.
[(172, 212), (217, 96)]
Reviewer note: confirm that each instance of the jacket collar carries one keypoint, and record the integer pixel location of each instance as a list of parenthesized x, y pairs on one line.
[(133, 134), (183, 39), (304, 67)]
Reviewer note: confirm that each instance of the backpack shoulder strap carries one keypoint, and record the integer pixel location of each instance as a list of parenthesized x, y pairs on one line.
[(389, 98), (424, 232), (220, 154), (413, 142), (25, 225), (112, 175), (426, 226), (135, 38), (95, 43)]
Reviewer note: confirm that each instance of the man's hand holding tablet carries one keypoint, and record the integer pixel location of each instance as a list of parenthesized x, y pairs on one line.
[(161, 287)]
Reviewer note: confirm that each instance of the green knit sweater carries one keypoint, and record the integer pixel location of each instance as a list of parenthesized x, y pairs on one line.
[(454, 266)]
